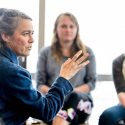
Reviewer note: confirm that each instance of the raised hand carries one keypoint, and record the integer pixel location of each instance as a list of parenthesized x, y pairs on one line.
[(73, 65)]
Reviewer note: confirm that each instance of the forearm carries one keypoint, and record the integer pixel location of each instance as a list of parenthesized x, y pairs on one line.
[(43, 89), (53, 100), (83, 88), (121, 97)]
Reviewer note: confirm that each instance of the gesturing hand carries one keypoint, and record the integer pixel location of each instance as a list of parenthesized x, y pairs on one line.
[(70, 67)]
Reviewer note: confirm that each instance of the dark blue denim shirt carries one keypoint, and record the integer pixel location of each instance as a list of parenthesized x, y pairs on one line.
[(18, 98)]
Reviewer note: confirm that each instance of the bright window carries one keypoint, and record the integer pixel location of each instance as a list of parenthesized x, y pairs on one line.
[(102, 26)]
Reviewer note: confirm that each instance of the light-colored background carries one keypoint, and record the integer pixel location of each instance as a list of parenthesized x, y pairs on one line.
[(104, 97)]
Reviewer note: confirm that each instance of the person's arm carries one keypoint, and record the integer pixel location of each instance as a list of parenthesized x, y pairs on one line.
[(30, 102), (118, 78), (91, 76), (83, 88), (41, 74), (121, 97), (23, 95), (43, 88)]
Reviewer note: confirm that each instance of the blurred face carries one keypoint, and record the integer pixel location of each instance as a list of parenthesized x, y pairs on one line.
[(66, 31), (21, 41)]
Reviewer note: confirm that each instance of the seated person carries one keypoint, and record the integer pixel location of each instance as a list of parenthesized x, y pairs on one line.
[(113, 115), (18, 99), (78, 105)]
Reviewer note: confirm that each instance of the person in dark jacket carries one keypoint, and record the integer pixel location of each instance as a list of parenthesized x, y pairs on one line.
[(116, 114), (18, 99)]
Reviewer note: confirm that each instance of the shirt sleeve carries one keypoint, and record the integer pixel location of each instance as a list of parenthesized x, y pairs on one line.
[(118, 77), (41, 74), (22, 95), (91, 74)]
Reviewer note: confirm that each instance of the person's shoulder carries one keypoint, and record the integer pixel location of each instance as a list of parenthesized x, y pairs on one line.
[(15, 69), (119, 59), (89, 50), (11, 69), (122, 55), (45, 49)]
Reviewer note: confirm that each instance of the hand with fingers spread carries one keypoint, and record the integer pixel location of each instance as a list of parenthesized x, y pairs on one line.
[(73, 65)]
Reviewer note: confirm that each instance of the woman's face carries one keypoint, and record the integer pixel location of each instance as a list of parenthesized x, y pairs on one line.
[(21, 41), (66, 31)]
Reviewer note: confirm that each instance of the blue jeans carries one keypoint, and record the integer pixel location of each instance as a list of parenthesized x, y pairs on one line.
[(112, 116)]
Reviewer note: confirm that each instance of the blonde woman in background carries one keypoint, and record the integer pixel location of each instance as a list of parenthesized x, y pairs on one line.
[(66, 41)]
